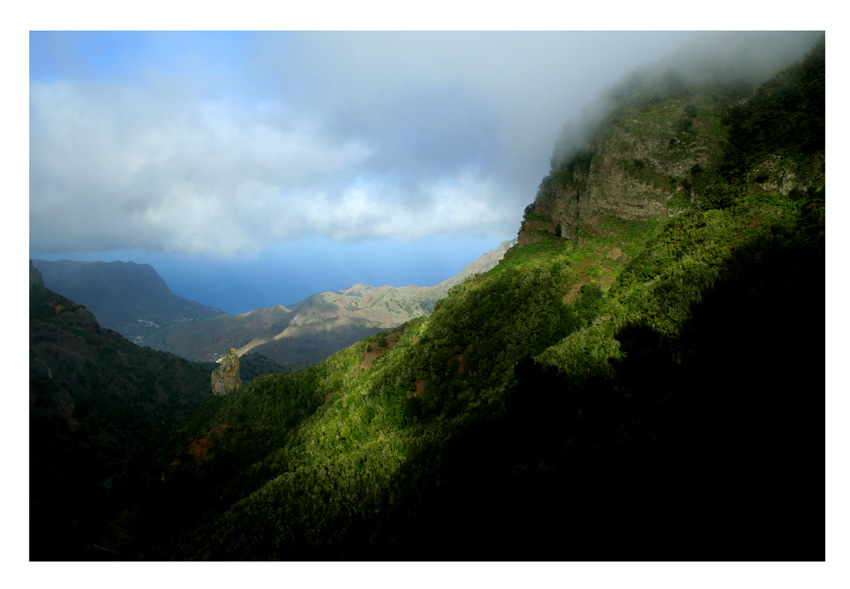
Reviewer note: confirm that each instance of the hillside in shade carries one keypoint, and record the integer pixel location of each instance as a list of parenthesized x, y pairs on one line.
[(96, 400)]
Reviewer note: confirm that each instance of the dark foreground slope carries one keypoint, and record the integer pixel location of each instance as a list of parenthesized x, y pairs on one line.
[(632, 388), (95, 400)]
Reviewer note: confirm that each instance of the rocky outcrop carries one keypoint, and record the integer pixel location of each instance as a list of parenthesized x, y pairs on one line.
[(641, 166), (226, 377)]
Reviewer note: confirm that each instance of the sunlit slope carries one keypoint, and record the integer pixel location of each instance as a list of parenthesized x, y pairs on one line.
[(652, 388)]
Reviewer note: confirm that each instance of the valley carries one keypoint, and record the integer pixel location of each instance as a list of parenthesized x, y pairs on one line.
[(630, 381), (300, 335)]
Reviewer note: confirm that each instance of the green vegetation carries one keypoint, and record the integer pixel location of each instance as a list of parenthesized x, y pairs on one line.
[(785, 118), (642, 391), (507, 395), (775, 138)]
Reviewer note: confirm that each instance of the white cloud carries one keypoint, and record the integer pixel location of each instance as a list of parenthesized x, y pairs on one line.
[(461, 205), (349, 136), (119, 168), (127, 169)]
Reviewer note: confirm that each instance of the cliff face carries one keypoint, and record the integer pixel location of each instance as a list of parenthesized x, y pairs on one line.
[(653, 159), (641, 166), (682, 130)]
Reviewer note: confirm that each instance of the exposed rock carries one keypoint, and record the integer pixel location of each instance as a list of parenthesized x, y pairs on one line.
[(615, 253), (226, 378), (637, 165)]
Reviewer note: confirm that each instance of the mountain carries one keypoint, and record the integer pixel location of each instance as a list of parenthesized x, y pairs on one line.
[(209, 339), (96, 400), (484, 263), (640, 378), (313, 329), (129, 298)]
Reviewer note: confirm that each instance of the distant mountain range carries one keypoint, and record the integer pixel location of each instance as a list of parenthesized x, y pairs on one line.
[(640, 378), (126, 297), (134, 300)]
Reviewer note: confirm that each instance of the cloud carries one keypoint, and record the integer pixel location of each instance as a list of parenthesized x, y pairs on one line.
[(348, 136), (739, 62), (128, 168), (118, 168), (215, 177)]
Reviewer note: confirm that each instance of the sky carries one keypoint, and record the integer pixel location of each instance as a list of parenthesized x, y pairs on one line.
[(257, 168)]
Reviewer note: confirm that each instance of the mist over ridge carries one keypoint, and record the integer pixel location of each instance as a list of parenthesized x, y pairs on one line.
[(728, 60), (252, 168)]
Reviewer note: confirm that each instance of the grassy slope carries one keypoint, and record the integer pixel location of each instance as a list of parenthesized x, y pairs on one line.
[(661, 404)]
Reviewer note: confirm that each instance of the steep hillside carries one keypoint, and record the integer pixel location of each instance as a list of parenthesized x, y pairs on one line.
[(656, 142), (632, 381), (129, 298), (316, 327), (641, 167), (96, 400)]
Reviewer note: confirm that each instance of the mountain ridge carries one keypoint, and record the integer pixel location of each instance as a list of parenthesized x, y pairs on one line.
[(615, 388), (316, 327), (296, 335), (130, 298), (570, 404)]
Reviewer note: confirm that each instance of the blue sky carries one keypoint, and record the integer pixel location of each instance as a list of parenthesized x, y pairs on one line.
[(253, 169)]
